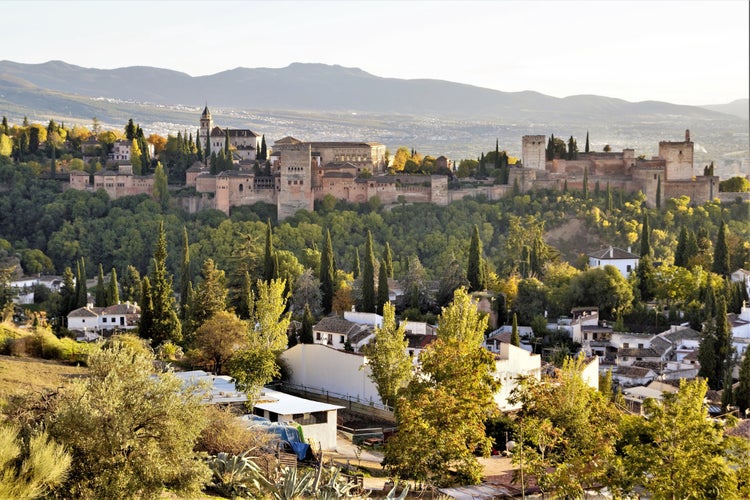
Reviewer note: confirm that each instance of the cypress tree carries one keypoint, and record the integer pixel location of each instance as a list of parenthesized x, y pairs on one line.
[(207, 150), (69, 297), (327, 274), (609, 199), (357, 267), (382, 286), (166, 324), (368, 276), (226, 142), (515, 339), (645, 237), (269, 264), (680, 252), (81, 287), (724, 348), (475, 268), (388, 259), (100, 294), (113, 294), (306, 336), (742, 397), (721, 252), (587, 141), (658, 193), (565, 185), (186, 276), (146, 324), (198, 147), (263, 149)]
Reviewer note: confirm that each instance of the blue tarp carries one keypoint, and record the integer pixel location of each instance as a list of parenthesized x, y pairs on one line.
[(289, 435)]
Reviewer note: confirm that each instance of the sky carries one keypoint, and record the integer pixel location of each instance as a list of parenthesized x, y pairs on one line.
[(684, 52)]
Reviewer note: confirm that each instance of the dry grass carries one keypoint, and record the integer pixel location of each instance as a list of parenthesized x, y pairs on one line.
[(26, 375)]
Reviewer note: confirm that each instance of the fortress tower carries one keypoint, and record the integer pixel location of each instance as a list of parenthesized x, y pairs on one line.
[(679, 158), (533, 151), (295, 181)]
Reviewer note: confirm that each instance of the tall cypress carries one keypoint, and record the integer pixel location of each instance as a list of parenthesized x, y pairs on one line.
[(81, 287), (680, 251), (645, 237), (368, 276), (658, 193), (186, 276), (166, 324), (113, 294), (198, 147), (146, 323), (383, 292), (721, 252), (609, 199), (357, 267), (269, 263), (327, 274), (475, 268), (306, 337), (388, 259), (515, 338), (587, 141), (100, 294)]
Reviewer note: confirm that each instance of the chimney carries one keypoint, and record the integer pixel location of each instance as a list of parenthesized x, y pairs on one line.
[(611, 252), (629, 249), (687, 135)]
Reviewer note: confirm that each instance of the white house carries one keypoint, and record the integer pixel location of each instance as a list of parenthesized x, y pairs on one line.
[(318, 420), (95, 319), (364, 318), (324, 369), (512, 362), (742, 276), (623, 260)]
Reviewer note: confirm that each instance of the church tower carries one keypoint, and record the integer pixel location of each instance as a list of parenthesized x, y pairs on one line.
[(207, 124)]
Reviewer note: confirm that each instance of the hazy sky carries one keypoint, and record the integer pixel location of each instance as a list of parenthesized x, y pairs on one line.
[(685, 52)]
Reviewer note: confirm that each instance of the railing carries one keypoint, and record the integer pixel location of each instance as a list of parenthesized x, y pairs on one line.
[(350, 400)]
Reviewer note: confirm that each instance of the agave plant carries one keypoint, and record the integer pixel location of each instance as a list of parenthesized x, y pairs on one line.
[(236, 475)]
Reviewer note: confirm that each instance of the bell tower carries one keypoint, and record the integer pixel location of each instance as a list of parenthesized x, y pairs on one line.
[(207, 123)]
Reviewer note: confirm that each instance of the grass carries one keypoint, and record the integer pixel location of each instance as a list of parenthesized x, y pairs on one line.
[(20, 375)]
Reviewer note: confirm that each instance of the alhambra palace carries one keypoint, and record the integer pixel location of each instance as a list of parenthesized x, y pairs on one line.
[(302, 172)]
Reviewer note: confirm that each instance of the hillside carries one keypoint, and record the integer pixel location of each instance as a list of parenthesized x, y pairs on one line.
[(319, 87)]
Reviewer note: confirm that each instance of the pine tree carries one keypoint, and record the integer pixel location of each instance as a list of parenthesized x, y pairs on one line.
[(388, 260), (210, 295), (368, 276), (306, 336), (269, 260), (113, 293), (515, 339), (327, 274), (383, 292), (475, 271), (100, 294), (721, 252)]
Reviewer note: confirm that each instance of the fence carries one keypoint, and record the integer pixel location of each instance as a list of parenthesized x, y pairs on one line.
[(352, 403)]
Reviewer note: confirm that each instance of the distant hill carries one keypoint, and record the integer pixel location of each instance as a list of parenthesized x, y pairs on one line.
[(325, 88), (740, 107)]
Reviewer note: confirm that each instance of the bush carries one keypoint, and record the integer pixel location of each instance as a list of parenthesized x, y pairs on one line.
[(226, 434)]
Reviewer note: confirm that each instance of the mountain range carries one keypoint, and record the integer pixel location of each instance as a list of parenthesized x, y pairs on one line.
[(329, 102), (326, 88)]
